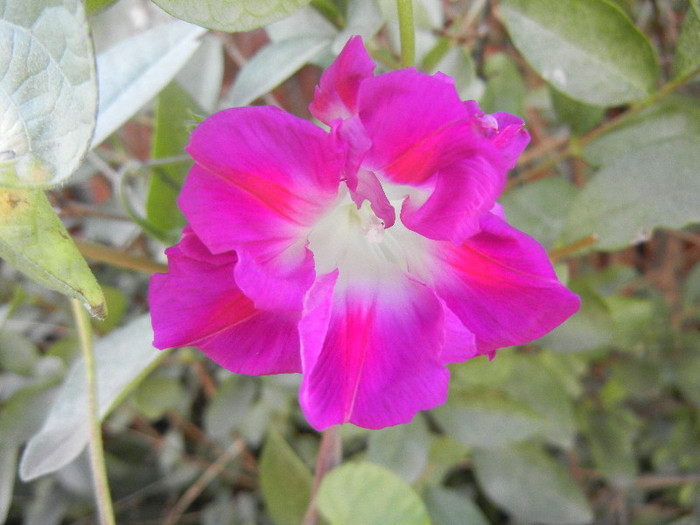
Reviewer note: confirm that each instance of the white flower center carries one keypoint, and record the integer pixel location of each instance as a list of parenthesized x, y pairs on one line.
[(356, 242)]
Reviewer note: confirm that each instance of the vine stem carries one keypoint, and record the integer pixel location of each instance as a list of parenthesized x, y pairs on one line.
[(97, 459), (407, 32), (329, 456), (114, 257)]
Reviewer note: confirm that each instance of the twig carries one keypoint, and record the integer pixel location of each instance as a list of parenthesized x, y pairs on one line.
[(201, 483)]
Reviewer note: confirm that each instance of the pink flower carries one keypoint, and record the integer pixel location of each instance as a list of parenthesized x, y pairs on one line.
[(366, 257)]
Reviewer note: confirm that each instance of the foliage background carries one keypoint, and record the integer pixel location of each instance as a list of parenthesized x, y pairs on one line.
[(599, 422)]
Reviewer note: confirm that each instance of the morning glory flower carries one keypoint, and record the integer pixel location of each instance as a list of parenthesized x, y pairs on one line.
[(366, 255)]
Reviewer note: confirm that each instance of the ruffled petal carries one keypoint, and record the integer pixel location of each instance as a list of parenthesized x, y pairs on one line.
[(285, 164), (197, 303), (275, 268), (336, 95), (512, 137), (417, 125), (460, 343), (371, 352), (507, 132), (262, 178), (501, 285), (463, 192), (369, 188)]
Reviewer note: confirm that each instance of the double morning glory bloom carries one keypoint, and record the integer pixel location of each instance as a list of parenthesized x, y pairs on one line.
[(366, 256)]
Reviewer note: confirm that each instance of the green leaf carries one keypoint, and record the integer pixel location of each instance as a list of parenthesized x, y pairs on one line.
[(632, 319), (158, 393), (231, 15), (171, 134), (687, 57), (403, 449), (48, 91), (611, 435), (590, 328), (579, 116), (535, 386), (653, 186), (530, 485), (133, 72), (24, 412), (117, 305), (274, 64), (540, 208), (686, 370), (8, 468), (95, 6), (34, 241), (17, 353), (505, 88), (228, 407), (454, 61), (449, 507), (122, 359), (367, 494), (493, 421), (676, 117), (589, 50), (285, 481)]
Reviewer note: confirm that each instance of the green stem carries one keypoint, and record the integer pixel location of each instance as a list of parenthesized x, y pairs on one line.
[(107, 255), (407, 32), (97, 459)]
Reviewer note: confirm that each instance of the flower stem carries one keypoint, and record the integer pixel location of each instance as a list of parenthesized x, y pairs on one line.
[(407, 32), (329, 456), (97, 459)]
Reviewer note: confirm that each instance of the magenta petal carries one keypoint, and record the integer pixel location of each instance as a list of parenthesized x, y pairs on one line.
[(286, 165), (417, 124), (275, 268), (507, 132), (463, 192), (336, 95), (512, 137), (197, 303), (261, 180), (460, 343), (379, 361), (501, 285), (370, 188)]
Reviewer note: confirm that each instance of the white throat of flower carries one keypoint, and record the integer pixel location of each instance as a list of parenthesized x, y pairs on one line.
[(357, 243)]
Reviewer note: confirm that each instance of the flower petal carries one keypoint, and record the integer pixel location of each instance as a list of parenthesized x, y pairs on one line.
[(463, 192), (369, 188), (285, 164), (275, 269), (501, 285), (512, 137), (417, 124), (262, 178), (336, 95), (370, 353), (460, 343), (197, 303), (507, 132)]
